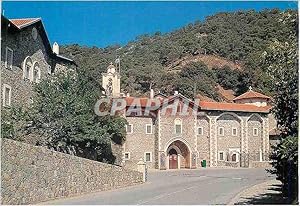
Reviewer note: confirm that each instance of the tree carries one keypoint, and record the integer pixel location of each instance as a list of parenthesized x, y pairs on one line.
[(63, 112), (281, 60)]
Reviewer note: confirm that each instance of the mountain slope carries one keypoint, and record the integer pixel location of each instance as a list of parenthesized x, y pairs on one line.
[(221, 54)]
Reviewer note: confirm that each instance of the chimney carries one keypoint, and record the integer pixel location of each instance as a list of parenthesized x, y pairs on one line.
[(176, 93), (151, 93), (55, 48)]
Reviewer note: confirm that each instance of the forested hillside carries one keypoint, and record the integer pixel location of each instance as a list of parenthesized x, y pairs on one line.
[(222, 53)]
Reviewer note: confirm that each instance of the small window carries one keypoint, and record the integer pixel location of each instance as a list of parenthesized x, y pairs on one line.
[(9, 58), (148, 128), (178, 126), (6, 95), (36, 73), (234, 131), (148, 157), (200, 130), (126, 156), (27, 69), (221, 131), (255, 132), (221, 156), (129, 128)]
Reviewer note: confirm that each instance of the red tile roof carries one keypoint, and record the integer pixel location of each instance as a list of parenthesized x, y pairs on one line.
[(21, 23), (233, 107), (251, 94), (205, 105)]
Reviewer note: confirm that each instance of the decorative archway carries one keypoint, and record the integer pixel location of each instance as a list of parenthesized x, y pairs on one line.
[(179, 155)]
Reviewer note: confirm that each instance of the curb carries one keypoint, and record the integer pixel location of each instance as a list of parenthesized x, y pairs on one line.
[(238, 196)]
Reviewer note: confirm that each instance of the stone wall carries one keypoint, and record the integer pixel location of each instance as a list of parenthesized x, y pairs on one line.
[(32, 174), (138, 142), (24, 45), (258, 164)]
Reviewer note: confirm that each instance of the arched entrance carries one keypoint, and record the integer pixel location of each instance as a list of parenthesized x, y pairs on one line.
[(179, 155)]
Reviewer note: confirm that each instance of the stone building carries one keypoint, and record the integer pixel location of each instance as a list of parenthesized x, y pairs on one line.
[(196, 132), (26, 58)]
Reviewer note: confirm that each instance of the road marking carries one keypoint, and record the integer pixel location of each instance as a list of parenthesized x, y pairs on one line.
[(165, 195)]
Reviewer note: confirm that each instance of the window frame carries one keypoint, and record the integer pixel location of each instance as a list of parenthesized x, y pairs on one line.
[(126, 127), (145, 155), (175, 124), (36, 66), (234, 128), (6, 86), (30, 74), (223, 133), (255, 129), (6, 58), (151, 130), (220, 156), (124, 157), (201, 131)]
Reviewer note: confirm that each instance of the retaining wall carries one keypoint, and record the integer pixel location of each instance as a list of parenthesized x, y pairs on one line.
[(32, 174)]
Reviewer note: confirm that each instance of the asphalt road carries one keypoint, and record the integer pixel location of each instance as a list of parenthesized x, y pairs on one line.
[(201, 186)]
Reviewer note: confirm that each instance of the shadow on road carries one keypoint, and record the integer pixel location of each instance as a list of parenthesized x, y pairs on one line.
[(270, 197)]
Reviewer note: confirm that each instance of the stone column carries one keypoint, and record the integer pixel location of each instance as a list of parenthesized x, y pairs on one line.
[(141, 167), (244, 143), (213, 142), (265, 138)]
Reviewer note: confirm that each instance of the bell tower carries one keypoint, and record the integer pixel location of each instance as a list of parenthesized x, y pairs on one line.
[(111, 81)]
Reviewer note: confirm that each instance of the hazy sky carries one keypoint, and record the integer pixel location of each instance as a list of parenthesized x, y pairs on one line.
[(107, 23)]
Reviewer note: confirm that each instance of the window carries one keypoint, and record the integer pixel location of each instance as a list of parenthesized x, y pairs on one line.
[(129, 128), (6, 95), (126, 155), (178, 126), (200, 130), (36, 73), (148, 128), (148, 157), (27, 67), (255, 132), (234, 158), (234, 131), (221, 156), (9, 58), (221, 131)]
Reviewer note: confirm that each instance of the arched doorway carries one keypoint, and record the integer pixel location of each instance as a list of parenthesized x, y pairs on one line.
[(179, 155), (173, 159)]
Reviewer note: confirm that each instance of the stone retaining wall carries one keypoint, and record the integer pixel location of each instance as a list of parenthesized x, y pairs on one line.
[(32, 174), (258, 164)]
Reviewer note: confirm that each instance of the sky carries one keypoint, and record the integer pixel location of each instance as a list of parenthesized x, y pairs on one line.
[(108, 23)]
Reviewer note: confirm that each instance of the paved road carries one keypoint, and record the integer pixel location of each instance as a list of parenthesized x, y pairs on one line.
[(201, 186)]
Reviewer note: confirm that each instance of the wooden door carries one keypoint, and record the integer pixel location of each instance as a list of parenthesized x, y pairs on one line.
[(173, 161)]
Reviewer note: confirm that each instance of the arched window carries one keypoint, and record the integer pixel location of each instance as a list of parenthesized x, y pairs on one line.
[(36, 74), (27, 69), (178, 126)]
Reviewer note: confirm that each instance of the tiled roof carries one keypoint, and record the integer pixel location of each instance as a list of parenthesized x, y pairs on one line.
[(142, 100), (21, 23), (233, 107), (251, 94), (220, 106)]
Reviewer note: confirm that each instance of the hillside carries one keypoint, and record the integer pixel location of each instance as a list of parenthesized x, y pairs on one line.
[(219, 57)]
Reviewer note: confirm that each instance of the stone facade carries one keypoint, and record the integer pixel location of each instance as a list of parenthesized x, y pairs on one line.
[(209, 133), (31, 48), (220, 137), (31, 174)]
